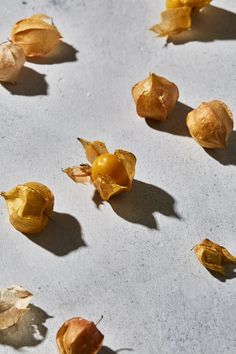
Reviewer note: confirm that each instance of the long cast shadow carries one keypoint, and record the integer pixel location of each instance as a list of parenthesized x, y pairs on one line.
[(210, 24), (62, 54), (30, 83), (230, 273), (29, 331), (106, 350), (61, 236), (175, 123), (225, 156), (139, 205)]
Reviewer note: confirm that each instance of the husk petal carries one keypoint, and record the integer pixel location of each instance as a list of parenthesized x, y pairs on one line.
[(194, 4), (12, 58), (108, 188), (93, 149), (79, 174)]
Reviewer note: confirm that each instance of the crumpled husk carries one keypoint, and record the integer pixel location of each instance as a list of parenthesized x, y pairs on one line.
[(37, 35), (173, 21), (12, 58), (155, 97), (14, 301), (194, 4), (211, 124), (213, 256), (30, 206), (106, 186), (79, 336)]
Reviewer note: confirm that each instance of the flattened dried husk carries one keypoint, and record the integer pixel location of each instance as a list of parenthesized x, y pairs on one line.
[(213, 256), (13, 304), (37, 35), (79, 174), (93, 149), (173, 21), (12, 58)]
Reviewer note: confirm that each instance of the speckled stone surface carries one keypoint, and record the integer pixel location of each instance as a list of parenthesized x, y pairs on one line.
[(129, 259)]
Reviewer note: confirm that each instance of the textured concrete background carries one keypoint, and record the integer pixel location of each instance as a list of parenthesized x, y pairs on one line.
[(129, 259)]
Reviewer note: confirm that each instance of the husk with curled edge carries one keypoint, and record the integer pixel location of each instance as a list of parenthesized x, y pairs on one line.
[(14, 301), (30, 206), (104, 185), (155, 97), (12, 58), (213, 256), (79, 336), (211, 124), (37, 35)]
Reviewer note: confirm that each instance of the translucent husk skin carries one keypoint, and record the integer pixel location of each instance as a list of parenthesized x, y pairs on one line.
[(37, 35), (79, 336), (14, 301), (12, 58), (155, 97), (210, 124), (30, 206), (106, 186), (213, 256)]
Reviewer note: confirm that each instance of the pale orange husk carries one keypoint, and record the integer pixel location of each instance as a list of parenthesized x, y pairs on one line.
[(211, 124), (104, 185), (14, 301), (79, 336), (155, 97), (213, 256), (12, 58), (195, 4), (37, 35), (173, 21)]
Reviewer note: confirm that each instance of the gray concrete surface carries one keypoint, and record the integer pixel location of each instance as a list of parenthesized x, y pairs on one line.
[(129, 259)]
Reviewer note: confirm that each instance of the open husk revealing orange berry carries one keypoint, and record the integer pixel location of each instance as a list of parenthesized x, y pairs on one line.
[(30, 206), (37, 35), (79, 336), (155, 97), (213, 256), (111, 174)]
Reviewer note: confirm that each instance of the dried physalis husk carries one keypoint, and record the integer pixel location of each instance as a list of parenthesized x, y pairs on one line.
[(37, 35), (14, 301), (173, 21), (213, 256), (12, 58), (211, 124), (30, 206), (111, 174), (155, 97), (79, 336), (194, 4)]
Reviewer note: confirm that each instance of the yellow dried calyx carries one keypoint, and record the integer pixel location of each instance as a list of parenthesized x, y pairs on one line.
[(155, 97), (79, 336), (177, 17), (111, 174), (37, 35), (12, 58), (211, 124), (30, 206), (213, 256)]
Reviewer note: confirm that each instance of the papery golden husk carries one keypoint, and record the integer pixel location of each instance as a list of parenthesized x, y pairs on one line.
[(195, 4), (12, 58), (14, 301), (79, 336), (173, 21), (155, 97), (106, 186), (211, 124), (37, 35), (30, 206), (213, 256)]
